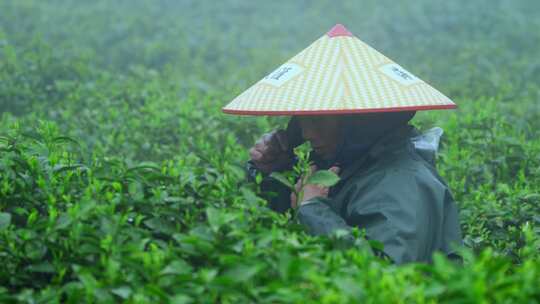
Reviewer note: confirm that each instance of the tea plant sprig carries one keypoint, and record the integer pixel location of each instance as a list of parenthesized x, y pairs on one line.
[(302, 171)]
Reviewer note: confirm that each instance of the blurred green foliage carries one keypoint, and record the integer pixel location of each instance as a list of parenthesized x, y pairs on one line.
[(120, 179)]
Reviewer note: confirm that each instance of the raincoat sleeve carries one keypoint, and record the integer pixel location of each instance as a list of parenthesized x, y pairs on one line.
[(277, 194), (399, 210), (319, 219), (396, 212)]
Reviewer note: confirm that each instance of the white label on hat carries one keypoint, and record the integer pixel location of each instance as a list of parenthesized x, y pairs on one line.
[(399, 74), (282, 74)]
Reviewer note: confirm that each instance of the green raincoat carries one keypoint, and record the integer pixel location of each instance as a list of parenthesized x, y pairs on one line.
[(394, 192)]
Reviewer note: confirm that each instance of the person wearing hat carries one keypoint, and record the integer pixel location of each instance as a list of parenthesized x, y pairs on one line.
[(353, 105)]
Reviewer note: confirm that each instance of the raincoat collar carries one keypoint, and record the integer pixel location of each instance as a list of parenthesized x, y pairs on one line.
[(392, 142), (361, 135)]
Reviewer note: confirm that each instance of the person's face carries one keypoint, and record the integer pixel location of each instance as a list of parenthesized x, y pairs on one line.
[(323, 133)]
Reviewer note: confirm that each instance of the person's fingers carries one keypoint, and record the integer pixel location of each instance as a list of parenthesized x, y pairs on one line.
[(259, 148), (273, 144), (255, 155), (268, 165), (267, 147), (262, 153), (335, 169), (267, 157), (298, 185), (321, 188), (293, 200), (267, 153), (267, 138), (260, 145)]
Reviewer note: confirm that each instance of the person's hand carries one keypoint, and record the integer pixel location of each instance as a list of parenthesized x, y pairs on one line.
[(271, 152), (310, 190)]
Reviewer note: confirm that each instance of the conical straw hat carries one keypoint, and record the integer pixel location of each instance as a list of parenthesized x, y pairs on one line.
[(338, 74)]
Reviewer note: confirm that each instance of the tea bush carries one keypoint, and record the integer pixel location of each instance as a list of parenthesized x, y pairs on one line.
[(121, 180)]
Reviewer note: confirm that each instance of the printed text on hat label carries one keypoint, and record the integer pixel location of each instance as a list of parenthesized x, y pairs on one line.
[(399, 74), (282, 74)]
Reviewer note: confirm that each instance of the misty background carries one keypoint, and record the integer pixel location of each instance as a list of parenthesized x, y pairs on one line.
[(456, 45), (177, 61)]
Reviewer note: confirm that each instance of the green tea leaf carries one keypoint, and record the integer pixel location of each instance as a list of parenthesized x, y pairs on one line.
[(323, 178), (177, 267), (181, 299), (44, 267), (123, 291), (242, 273), (282, 179), (5, 220), (214, 219)]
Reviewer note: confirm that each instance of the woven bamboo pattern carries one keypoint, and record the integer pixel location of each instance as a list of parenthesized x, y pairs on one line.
[(338, 73)]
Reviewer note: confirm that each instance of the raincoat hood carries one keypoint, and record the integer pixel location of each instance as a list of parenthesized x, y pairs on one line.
[(360, 133)]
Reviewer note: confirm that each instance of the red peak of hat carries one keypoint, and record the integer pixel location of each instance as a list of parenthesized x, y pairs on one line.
[(339, 30)]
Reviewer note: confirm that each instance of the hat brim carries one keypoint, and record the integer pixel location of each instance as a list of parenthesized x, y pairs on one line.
[(338, 112)]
